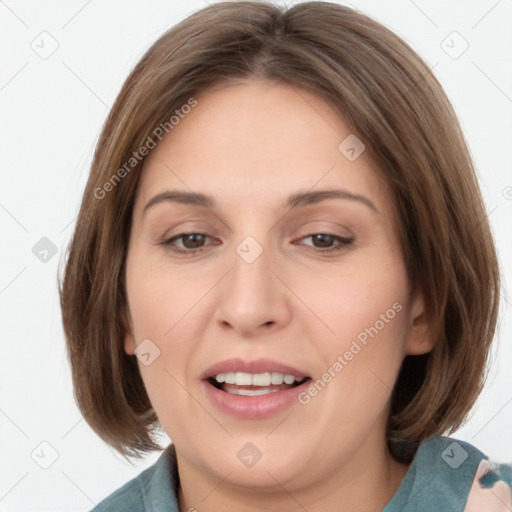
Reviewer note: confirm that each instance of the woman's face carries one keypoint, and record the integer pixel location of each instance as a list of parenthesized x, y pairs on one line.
[(271, 334)]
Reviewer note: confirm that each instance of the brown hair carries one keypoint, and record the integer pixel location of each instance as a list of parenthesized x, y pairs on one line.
[(394, 104)]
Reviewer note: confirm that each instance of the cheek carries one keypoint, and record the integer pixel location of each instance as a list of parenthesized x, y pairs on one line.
[(161, 296), (348, 300), (164, 305), (364, 313)]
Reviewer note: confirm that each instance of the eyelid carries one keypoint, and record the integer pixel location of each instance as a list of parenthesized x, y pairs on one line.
[(167, 242), (343, 242)]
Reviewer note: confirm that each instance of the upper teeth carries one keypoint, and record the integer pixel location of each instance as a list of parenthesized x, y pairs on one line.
[(256, 379)]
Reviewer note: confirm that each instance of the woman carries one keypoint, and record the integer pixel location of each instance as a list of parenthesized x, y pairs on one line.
[(283, 259)]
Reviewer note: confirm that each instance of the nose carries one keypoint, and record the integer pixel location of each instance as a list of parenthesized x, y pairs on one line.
[(253, 299)]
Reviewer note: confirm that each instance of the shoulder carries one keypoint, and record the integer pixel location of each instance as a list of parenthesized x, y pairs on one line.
[(453, 475), (491, 488), (458, 474), (128, 497), (152, 490)]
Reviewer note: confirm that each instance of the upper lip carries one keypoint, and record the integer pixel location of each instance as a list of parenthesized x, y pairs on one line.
[(256, 366)]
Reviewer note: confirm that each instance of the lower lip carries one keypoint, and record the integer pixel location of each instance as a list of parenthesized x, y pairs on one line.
[(253, 407)]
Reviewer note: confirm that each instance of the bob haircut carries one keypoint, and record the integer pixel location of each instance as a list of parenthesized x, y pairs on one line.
[(389, 97)]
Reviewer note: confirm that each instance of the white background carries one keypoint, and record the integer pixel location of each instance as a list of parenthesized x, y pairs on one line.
[(52, 110)]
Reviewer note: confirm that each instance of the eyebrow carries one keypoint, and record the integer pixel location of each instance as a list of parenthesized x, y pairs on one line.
[(297, 200)]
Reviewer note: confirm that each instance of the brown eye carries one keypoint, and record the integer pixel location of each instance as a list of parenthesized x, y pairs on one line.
[(328, 242), (323, 240), (190, 242), (193, 240)]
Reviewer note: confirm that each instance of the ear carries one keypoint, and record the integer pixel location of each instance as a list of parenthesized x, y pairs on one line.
[(419, 338), (129, 344), (129, 340)]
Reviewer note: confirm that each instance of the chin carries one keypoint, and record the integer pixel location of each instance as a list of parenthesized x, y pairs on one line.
[(257, 463)]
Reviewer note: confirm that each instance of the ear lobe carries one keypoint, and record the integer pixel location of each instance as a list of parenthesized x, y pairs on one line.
[(129, 344), (419, 338), (129, 340)]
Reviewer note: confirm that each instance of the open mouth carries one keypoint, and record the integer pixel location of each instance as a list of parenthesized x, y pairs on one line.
[(255, 384), (253, 389)]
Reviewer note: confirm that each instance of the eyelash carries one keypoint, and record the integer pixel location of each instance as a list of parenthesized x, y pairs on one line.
[(343, 241)]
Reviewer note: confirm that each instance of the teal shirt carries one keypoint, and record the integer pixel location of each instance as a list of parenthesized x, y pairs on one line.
[(445, 475)]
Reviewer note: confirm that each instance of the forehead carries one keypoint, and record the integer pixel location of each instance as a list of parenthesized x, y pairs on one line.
[(256, 142)]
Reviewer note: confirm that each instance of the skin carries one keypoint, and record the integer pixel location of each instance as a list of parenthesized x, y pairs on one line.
[(250, 146)]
